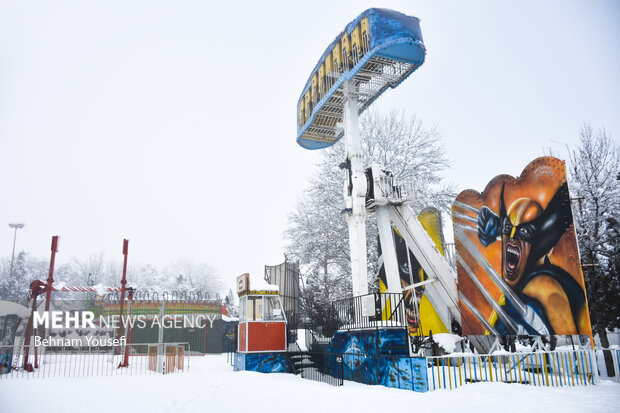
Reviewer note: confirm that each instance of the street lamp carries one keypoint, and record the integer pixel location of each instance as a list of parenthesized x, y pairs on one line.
[(16, 226)]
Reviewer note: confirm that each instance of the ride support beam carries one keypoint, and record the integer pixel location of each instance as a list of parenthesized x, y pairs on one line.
[(388, 250), (355, 191)]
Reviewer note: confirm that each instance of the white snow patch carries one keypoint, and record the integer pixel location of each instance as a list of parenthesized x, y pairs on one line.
[(447, 341), (100, 289), (8, 307), (210, 381), (522, 348), (301, 339), (59, 285), (260, 284)]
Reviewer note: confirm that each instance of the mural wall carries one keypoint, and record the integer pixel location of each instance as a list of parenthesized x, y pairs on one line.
[(421, 316), (518, 263), (380, 357)]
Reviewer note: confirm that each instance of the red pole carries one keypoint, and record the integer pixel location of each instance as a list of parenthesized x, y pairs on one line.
[(123, 282), (125, 362), (50, 278), (27, 366), (48, 292)]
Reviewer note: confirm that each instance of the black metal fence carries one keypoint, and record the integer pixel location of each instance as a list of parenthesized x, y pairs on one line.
[(317, 366), (378, 310)]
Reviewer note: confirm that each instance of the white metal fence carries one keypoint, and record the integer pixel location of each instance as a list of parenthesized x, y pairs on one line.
[(144, 359)]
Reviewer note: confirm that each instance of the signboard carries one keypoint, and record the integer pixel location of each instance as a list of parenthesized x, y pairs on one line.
[(243, 283)]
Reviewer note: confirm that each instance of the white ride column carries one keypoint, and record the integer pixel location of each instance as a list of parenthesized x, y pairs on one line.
[(355, 192), (388, 250)]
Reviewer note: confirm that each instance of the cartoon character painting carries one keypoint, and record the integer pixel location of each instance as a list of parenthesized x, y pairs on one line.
[(518, 263), (419, 312)]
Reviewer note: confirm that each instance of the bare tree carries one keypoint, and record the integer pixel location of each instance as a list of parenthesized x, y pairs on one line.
[(191, 276), (317, 233), (89, 271), (595, 185)]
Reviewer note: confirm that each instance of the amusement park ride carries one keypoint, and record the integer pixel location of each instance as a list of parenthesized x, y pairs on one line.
[(505, 284), (377, 51), (517, 273)]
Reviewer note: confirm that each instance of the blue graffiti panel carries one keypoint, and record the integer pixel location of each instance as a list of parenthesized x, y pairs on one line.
[(393, 342), (261, 362)]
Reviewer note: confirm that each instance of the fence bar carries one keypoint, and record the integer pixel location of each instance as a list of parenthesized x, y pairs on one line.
[(85, 361)]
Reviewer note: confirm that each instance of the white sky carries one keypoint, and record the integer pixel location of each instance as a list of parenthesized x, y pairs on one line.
[(173, 123)]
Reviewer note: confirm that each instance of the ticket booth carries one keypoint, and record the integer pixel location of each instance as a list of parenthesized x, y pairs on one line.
[(262, 323)]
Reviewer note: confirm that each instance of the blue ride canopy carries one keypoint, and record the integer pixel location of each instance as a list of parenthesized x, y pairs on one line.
[(378, 50)]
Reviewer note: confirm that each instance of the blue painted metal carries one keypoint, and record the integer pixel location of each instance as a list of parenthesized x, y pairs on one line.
[(454, 374), (261, 362), (392, 36), (443, 371), (475, 373), (568, 379), (550, 367), (583, 369)]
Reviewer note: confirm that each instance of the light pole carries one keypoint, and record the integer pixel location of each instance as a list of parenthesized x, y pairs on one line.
[(16, 226)]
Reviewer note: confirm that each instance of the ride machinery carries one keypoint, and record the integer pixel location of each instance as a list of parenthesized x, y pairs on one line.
[(376, 51)]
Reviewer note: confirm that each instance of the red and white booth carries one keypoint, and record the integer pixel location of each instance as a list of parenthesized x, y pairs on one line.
[(262, 323)]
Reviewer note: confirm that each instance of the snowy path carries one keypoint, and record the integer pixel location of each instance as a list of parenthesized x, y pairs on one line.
[(211, 385)]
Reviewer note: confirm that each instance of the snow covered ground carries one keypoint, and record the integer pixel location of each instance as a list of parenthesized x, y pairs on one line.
[(211, 385)]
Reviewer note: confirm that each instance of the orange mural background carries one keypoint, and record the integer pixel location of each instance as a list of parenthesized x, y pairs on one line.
[(539, 181)]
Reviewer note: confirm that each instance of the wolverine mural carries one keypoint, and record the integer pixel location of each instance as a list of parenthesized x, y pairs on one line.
[(419, 312), (518, 263)]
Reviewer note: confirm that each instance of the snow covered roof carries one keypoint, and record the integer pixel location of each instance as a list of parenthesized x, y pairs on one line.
[(260, 284), (8, 307)]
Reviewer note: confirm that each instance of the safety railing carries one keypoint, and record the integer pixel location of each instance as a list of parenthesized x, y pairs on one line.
[(379, 310), (421, 374), (81, 361), (396, 189), (322, 367), (609, 363), (550, 369)]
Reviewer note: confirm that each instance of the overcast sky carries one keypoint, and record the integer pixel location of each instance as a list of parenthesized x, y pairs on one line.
[(173, 123)]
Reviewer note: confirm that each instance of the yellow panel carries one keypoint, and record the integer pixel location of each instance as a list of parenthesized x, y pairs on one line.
[(322, 81), (345, 43), (328, 64), (356, 40), (307, 105), (300, 116), (430, 320), (366, 32), (313, 86), (430, 219), (337, 56)]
